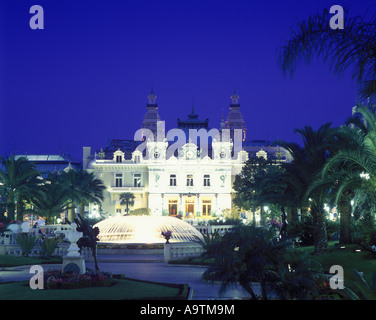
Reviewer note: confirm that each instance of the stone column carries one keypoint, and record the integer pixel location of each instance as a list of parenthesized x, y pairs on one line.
[(167, 252), (181, 204), (198, 207), (163, 203)]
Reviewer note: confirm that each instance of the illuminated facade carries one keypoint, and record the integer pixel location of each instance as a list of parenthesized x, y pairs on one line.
[(190, 181)]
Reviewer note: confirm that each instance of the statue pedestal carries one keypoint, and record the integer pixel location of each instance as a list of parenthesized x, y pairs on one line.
[(167, 252), (73, 261), (74, 264)]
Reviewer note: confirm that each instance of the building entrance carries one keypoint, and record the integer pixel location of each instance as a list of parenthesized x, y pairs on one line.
[(173, 207), (189, 208)]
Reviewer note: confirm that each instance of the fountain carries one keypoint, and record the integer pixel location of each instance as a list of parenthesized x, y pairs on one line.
[(145, 229), (143, 234)]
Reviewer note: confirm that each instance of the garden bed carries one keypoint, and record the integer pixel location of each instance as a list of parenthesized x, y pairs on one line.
[(55, 279)]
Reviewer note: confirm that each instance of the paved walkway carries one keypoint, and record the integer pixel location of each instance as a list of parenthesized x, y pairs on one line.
[(146, 267)]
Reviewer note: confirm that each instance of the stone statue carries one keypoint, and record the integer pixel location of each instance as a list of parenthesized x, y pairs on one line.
[(73, 236)]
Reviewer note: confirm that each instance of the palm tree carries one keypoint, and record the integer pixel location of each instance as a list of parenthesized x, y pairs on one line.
[(18, 181), (51, 199), (283, 184), (82, 188), (127, 199), (353, 167), (354, 47), (341, 180), (307, 163)]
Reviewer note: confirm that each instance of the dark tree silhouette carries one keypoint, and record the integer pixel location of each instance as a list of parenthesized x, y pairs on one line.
[(89, 238)]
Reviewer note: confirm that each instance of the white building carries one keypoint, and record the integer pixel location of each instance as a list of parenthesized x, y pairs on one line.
[(189, 182)]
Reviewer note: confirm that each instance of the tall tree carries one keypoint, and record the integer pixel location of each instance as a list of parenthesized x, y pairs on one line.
[(353, 167), (18, 181), (307, 163), (51, 200), (127, 199), (247, 184), (82, 188)]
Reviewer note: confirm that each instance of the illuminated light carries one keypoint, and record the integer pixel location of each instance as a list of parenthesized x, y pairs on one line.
[(364, 175), (145, 229), (358, 250)]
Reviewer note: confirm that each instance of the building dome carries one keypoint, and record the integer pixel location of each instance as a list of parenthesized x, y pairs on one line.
[(145, 229)]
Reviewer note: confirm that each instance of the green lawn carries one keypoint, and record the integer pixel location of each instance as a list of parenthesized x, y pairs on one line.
[(12, 261), (122, 289)]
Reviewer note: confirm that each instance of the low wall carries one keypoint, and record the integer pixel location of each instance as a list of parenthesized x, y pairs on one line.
[(60, 251), (209, 229), (129, 249), (181, 250)]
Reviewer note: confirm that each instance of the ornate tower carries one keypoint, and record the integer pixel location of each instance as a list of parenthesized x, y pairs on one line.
[(235, 118), (151, 117)]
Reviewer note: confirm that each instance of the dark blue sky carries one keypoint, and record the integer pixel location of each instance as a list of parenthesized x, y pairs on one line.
[(85, 77)]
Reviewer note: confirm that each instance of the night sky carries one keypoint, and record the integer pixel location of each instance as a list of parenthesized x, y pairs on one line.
[(85, 78)]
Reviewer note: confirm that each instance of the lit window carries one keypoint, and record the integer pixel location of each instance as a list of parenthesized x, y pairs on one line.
[(173, 180), (189, 180), (206, 207), (137, 180), (118, 180)]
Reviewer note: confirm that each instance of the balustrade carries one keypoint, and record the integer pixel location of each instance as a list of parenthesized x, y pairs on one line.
[(178, 251)]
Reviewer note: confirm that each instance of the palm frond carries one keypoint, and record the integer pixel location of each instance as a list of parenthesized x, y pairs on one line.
[(352, 47)]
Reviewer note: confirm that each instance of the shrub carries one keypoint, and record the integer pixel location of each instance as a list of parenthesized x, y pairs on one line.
[(303, 230), (210, 243), (232, 214), (26, 241), (48, 246), (141, 212), (248, 254)]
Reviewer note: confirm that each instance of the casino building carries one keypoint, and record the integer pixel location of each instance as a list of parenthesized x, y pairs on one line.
[(193, 180)]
